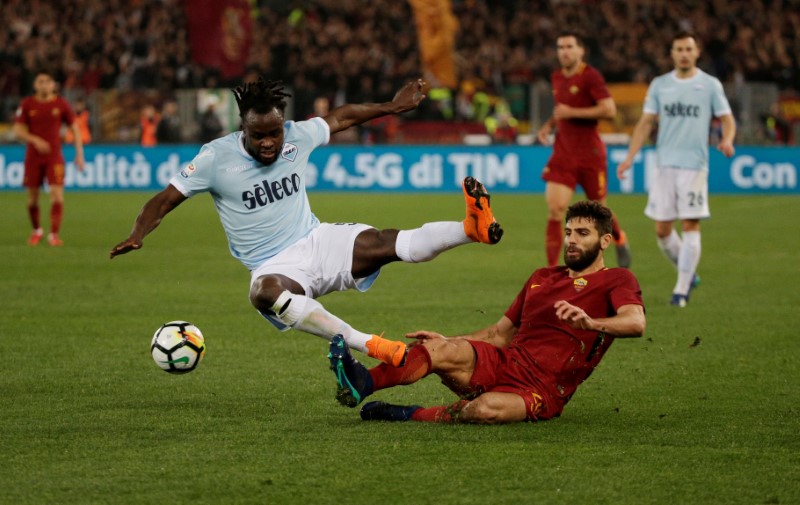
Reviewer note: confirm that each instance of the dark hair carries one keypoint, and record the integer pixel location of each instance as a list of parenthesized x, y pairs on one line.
[(683, 34), (569, 32), (599, 214), (261, 96)]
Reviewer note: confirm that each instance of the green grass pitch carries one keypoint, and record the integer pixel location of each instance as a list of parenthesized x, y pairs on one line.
[(87, 417)]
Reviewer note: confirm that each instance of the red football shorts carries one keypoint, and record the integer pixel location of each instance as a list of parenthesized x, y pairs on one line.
[(590, 175), (501, 371), (36, 171)]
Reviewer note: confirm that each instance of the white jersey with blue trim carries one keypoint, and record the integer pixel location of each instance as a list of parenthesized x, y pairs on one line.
[(684, 108), (263, 208)]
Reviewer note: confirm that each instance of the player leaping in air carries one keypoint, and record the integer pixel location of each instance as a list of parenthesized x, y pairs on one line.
[(256, 177)]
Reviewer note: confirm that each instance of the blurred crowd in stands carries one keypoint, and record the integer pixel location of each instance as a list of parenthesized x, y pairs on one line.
[(363, 50)]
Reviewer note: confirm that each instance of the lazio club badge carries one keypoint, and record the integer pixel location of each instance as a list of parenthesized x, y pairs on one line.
[(289, 151), (579, 283)]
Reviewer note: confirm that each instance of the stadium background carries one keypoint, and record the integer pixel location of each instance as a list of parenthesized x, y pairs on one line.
[(488, 64), (120, 56)]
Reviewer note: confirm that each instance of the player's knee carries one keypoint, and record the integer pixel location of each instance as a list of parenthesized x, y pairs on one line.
[(663, 230), (264, 292), (556, 211), (376, 243), (373, 249)]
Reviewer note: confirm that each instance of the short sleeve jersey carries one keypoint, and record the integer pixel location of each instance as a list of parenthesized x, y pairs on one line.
[(44, 119), (561, 355), (579, 138), (684, 108), (263, 208)]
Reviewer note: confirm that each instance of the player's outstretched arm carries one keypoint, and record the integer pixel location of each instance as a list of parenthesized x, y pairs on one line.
[(628, 322), (150, 217), (498, 334), (406, 99)]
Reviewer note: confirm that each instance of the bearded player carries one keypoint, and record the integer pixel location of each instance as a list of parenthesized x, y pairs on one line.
[(527, 365)]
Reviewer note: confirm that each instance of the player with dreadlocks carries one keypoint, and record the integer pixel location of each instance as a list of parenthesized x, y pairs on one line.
[(257, 176)]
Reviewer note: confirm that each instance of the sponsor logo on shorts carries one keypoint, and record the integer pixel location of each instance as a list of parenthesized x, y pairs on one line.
[(536, 405)]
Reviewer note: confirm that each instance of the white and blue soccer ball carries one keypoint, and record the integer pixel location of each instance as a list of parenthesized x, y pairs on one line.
[(178, 347)]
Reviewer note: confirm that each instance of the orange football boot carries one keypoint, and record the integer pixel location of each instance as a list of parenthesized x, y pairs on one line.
[(390, 352), (36, 237), (480, 224), (54, 241)]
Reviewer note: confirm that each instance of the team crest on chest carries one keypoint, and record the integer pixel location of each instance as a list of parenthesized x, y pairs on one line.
[(580, 283), (289, 151), (574, 89)]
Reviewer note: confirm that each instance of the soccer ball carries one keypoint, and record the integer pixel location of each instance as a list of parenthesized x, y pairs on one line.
[(178, 347)]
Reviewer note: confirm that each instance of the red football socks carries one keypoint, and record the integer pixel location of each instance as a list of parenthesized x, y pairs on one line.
[(56, 213), (33, 212), (440, 414), (616, 232), (554, 241), (417, 366)]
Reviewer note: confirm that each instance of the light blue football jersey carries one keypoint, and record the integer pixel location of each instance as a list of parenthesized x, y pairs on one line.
[(685, 108), (263, 209)]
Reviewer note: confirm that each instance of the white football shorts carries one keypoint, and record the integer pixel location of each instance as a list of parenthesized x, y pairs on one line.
[(678, 193), (320, 262)]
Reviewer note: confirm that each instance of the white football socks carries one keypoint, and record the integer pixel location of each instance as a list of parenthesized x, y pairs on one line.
[(308, 315), (427, 242), (671, 247), (688, 260)]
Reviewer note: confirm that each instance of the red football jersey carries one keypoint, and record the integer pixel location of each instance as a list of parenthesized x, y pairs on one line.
[(579, 137), (44, 119), (560, 356)]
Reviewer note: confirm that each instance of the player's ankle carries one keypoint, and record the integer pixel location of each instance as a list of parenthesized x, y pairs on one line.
[(390, 352)]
